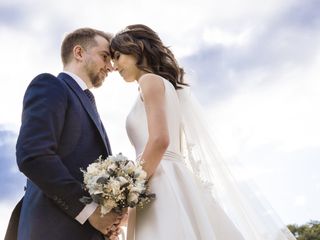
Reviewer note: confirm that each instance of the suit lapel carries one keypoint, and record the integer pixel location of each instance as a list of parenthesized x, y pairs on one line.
[(87, 106)]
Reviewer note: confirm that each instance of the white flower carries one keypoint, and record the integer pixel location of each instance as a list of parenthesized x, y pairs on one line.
[(121, 157), (92, 169), (107, 206), (140, 173), (139, 188), (133, 198), (115, 186), (118, 157)]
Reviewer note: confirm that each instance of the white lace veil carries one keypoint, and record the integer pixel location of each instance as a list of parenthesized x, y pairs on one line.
[(245, 206)]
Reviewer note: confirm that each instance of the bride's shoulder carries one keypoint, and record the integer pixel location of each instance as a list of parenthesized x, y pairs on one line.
[(150, 77), (151, 85), (151, 80)]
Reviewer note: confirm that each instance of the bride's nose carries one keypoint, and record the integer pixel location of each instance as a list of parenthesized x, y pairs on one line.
[(109, 67), (115, 66)]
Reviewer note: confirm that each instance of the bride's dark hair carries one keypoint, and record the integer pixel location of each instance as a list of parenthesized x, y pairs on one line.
[(152, 56)]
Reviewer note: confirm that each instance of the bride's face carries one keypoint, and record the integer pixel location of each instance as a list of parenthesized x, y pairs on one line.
[(126, 65)]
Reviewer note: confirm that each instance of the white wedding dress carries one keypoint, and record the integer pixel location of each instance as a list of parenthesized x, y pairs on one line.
[(184, 209)]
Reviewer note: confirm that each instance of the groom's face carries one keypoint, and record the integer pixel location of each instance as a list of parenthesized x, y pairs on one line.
[(98, 61)]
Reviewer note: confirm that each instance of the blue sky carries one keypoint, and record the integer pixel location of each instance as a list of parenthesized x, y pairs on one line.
[(253, 65)]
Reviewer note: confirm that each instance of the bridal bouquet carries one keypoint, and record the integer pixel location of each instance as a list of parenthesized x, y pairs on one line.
[(116, 183)]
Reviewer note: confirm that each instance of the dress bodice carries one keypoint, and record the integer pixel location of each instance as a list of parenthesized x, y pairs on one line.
[(137, 127)]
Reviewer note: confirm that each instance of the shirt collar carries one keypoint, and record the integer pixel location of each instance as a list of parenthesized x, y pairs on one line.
[(80, 82)]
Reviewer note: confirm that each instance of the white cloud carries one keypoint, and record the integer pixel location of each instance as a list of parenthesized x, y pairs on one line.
[(5, 209), (217, 36), (24, 55), (300, 201), (283, 112)]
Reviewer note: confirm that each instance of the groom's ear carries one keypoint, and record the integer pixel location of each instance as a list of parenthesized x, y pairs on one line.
[(78, 52)]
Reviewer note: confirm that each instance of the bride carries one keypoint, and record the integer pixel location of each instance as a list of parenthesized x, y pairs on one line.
[(197, 197)]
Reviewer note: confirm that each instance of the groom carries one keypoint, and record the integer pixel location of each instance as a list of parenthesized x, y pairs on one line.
[(61, 133)]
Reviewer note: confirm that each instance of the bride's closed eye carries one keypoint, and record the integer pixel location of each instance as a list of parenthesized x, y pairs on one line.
[(116, 55)]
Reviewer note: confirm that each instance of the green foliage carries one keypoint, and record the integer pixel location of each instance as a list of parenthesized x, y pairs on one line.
[(309, 231)]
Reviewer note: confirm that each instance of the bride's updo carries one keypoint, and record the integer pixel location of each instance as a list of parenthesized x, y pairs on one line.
[(152, 56)]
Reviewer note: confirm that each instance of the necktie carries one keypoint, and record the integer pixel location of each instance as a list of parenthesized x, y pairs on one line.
[(92, 100)]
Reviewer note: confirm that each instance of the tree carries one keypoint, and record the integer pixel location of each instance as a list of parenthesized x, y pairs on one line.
[(309, 231)]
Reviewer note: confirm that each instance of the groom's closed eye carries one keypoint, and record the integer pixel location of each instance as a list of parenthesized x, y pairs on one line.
[(106, 57)]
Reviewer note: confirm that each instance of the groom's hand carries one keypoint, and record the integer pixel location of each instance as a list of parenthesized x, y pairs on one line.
[(104, 223)]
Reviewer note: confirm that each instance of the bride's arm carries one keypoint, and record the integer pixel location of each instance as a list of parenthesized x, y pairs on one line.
[(153, 94)]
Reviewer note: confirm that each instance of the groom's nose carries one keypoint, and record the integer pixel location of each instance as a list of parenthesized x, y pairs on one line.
[(109, 67)]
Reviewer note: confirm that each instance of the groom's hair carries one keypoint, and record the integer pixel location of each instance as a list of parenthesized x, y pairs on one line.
[(83, 37)]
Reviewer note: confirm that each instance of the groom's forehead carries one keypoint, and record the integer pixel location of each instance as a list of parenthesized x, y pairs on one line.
[(103, 48), (102, 42)]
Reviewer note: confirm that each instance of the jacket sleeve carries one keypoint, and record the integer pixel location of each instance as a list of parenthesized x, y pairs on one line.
[(44, 108)]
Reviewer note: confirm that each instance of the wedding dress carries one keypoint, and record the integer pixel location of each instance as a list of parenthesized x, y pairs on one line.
[(187, 208)]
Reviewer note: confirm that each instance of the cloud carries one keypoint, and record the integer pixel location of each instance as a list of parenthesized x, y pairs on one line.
[(12, 181), (254, 54), (300, 201), (288, 180), (12, 15), (303, 15)]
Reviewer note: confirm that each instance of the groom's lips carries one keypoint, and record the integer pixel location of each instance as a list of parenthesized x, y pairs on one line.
[(105, 73)]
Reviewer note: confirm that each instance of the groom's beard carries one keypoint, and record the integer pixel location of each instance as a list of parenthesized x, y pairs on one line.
[(96, 78)]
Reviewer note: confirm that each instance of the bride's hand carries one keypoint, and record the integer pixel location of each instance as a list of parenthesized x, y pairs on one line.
[(124, 220), (114, 232)]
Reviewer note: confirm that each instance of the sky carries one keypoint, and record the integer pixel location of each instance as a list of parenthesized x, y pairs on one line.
[(253, 65)]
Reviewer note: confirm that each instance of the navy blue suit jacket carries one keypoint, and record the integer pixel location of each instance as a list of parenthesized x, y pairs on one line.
[(60, 134)]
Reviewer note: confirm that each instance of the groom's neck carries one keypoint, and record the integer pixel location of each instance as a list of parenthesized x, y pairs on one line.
[(80, 73)]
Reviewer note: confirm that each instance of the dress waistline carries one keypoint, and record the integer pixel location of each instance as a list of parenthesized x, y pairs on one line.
[(167, 156)]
